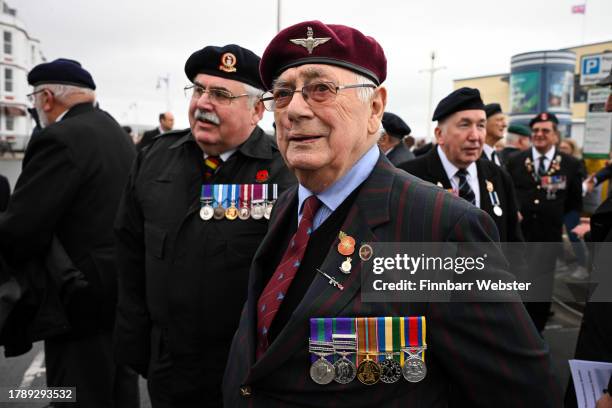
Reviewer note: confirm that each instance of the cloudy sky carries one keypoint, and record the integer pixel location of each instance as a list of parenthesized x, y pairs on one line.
[(128, 45)]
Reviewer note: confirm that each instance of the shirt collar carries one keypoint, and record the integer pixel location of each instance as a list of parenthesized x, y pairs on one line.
[(334, 195), (61, 116), (550, 154), (224, 156), (451, 169), (488, 150)]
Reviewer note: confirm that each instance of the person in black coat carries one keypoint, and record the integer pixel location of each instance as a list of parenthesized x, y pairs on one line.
[(166, 123), (5, 192), (391, 139), (69, 188), (548, 185), (494, 188)]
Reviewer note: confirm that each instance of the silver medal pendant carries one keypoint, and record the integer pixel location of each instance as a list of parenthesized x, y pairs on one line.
[(257, 211), (322, 371), (206, 212), (268, 210), (244, 213), (345, 371), (391, 371), (414, 369), (498, 210)]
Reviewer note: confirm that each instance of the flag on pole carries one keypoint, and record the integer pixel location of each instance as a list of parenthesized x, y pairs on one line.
[(579, 9)]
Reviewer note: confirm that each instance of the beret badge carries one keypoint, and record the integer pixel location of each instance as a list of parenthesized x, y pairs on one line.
[(310, 42), (228, 62)]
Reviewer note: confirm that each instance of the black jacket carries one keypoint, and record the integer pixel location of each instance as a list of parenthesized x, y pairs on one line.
[(180, 274), (400, 154), (147, 138), (73, 174), (5, 192)]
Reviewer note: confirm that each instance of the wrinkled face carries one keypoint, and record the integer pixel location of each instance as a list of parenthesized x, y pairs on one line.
[(496, 124), (543, 136), (462, 135), (167, 122), (325, 136), (219, 127)]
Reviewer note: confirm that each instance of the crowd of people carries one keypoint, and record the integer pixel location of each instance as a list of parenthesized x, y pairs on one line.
[(223, 264)]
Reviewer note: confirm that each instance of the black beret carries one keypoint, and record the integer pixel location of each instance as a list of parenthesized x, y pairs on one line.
[(459, 100), (544, 117), (230, 61), (394, 125), (61, 71), (492, 109), (520, 130)]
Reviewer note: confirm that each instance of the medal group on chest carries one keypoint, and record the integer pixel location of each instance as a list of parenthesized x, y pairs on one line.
[(242, 201)]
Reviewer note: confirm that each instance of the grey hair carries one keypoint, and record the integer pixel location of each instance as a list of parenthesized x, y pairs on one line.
[(365, 94), (254, 95), (62, 92)]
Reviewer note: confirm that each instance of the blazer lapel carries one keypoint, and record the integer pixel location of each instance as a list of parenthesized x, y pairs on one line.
[(483, 177), (370, 210), (436, 169)]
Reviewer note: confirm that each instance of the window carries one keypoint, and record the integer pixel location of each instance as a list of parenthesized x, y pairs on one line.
[(8, 42), (9, 123), (8, 79)]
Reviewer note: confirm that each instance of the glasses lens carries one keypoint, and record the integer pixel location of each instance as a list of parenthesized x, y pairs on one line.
[(220, 96), (319, 92), (282, 97)]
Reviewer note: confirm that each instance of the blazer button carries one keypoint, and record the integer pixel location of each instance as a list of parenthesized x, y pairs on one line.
[(539, 187), (245, 391)]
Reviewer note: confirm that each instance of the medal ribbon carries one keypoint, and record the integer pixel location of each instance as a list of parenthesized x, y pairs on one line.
[(244, 197), (367, 338), (233, 188), (321, 330), (218, 193), (274, 192), (388, 336), (225, 198), (257, 192), (206, 194), (345, 325), (415, 333)]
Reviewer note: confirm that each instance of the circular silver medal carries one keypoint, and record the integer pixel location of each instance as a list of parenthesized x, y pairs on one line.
[(206, 212), (322, 371), (244, 213), (498, 211), (345, 371), (391, 371), (257, 211), (414, 369)]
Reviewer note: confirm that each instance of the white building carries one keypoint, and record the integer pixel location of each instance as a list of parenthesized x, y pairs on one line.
[(19, 53)]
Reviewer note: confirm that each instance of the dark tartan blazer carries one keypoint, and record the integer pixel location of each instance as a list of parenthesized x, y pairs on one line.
[(479, 354)]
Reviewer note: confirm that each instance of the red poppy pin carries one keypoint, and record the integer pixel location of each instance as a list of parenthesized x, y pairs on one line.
[(262, 176)]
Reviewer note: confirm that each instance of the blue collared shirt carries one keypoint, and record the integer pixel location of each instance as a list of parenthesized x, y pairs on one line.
[(334, 195)]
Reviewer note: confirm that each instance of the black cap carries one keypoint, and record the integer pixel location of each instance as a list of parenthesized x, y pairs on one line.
[(459, 100), (544, 117), (61, 71), (394, 125), (230, 61), (492, 109), (520, 130)]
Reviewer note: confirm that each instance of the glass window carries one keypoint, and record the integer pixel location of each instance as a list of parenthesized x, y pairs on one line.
[(9, 123), (8, 79), (560, 89), (8, 42)]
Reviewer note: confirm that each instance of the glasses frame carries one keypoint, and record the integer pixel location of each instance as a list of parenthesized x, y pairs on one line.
[(213, 99), (269, 96), (31, 96)]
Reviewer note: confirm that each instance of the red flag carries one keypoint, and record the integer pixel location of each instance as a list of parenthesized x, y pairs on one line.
[(579, 9)]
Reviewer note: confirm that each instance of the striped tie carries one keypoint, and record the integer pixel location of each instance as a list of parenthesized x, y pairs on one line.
[(274, 292), (541, 167), (211, 164), (465, 191)]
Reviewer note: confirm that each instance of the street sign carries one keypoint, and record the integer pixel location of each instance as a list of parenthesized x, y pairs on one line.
[(594, 68)]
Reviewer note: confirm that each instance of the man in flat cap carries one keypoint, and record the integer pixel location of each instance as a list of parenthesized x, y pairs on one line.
[(193, 213), (166, 123), (458, 164), (73, 174), (518, 139), (496, 125), (548, 185), (393, 131), (328, 100)]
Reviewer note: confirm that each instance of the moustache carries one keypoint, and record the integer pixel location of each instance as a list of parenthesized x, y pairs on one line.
[(207, 117)]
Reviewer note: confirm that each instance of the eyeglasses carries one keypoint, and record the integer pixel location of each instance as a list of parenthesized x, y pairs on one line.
[(216, 95), (31, 96), (318, 92)]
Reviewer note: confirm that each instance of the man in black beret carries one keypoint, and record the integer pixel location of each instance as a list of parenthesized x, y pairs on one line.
[(496, 125), (73, 174), (328, 98), (457, 164), (166, 123), (193, 213), (518, 139), (548, 185), (391, 139)]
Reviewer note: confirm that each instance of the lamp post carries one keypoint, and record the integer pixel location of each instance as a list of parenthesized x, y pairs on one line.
[(431, 70)]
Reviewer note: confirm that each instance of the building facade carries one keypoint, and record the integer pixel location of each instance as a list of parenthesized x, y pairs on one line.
[(18, 54)]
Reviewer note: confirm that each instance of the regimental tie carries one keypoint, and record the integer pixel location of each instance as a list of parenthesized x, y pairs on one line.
[(274, 292), (211, 164), (465, 191), (542, 167)]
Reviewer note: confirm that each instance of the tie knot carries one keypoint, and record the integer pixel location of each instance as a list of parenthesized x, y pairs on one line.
[(213, 162), (461, 173), (311, 206)]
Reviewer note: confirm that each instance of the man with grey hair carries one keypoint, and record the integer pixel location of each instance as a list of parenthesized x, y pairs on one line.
[(73, 173), (192, 216)]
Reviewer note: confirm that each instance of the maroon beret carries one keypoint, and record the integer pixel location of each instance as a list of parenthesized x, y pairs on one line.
[(312, 42)]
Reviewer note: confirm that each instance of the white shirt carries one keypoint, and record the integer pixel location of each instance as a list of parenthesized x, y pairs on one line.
[(224, 156), (548, 158), (488, 151), (451, 171)]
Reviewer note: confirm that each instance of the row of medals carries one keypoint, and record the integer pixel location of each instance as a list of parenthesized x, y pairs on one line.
[(257, 210), (370, 371)]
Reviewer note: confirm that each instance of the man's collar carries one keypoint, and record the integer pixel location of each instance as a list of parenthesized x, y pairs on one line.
[(488, 150), (550, 154), (451, 169)]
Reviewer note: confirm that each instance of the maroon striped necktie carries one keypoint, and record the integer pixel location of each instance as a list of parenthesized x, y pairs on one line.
[(211, 164), (276, 289)]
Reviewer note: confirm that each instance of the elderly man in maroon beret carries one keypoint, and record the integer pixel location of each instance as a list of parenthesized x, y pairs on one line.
[(306, 337)]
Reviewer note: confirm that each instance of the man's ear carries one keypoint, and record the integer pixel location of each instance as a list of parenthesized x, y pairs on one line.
[(48, 101), (438, 134), (377, 108), (258, 112)]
